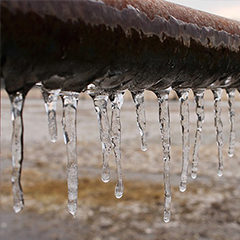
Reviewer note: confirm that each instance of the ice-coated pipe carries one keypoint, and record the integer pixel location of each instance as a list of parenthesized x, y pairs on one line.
[(120, 44)]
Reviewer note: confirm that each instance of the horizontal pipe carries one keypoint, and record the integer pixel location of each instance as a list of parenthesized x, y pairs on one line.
[(141, 44)]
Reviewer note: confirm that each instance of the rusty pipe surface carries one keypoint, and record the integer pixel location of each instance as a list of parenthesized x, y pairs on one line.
[(140, 44)]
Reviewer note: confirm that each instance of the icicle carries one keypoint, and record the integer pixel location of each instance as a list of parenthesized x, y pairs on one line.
[(231, 95), (50, 99), (184, 119), (69, 121), (117, 101), (141, 117), (199, 96), (164, 121), (100, 104), (217, 93), (17, 103)]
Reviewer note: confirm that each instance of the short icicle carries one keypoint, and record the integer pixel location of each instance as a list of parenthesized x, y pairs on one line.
[(184, 120), (231, 95), (17, 103), (138, 98), (199, 100), (164, 122), (69, 122), (50, 99), (116, 102), (100, 101), (217, 93)]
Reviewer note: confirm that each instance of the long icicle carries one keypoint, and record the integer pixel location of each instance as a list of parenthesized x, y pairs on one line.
[(100, 104), (231, 95), (217, 93), (117, 101), (164, 122), (17, 103), (184, 119), (69, 122), (50, 99), (141, 117), (199, 100)]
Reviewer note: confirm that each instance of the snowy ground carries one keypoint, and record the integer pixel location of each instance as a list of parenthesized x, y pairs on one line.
[(209, 209)]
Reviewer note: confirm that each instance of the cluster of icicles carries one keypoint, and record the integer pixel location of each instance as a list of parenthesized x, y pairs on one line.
[(110, 135)]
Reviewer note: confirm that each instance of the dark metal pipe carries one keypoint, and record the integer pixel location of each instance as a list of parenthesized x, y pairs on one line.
[(141, 44)]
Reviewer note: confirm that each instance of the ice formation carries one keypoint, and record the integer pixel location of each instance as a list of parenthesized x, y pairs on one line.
[(145, 45), (110, 135)]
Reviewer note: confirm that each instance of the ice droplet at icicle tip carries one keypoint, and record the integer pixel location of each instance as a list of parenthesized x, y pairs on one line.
[(116, 102), (100, 101), (50, 99), (69, 124), (199, 101), (184, 120), (217, 93), (164, 124), (231, 95), (17, 104), (141, 117)]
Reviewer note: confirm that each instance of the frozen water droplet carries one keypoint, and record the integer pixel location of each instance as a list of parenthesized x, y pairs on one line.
[(184, 120), (220, 172), (164, 123), (141, 117), (183, 186), (100, 101), (50, 99), (17, 103), (217, 93), (199, 96), (117, 101), (69, 122), (119, 190), (231, 95)]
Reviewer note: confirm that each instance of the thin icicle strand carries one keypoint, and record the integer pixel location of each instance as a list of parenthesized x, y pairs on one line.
[(17, 103), (164, 122), (117, 101), (199, 100), (69, 122), (50, 99), (231, 95), (217, 93), (184, 120), (141, 117), (100, 104)]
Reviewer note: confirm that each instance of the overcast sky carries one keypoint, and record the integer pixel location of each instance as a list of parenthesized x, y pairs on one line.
[(225, 8)]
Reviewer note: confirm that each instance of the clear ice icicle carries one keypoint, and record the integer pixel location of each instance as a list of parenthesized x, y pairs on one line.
[(164, 122), (116, 102), (199, 100), (141, 117), (184, 120), (231, 95), (50, 99), (17, 103), (69, 122), (217, 93), (100, 104)]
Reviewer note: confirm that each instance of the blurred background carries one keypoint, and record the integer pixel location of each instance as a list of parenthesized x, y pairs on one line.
[(208, 210)]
